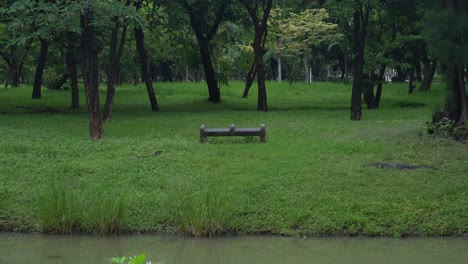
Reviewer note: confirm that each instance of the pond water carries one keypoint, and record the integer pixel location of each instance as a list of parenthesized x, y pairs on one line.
[(38, 249)]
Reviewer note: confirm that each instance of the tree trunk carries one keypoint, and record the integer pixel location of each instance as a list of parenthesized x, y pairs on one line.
[(400, 75), (210, 75), (112, 72), (123, 38), (58, 84), (291, 73), (410, 81), (262, 96), (342, 68), (15, 74), (71, 65), (274, 68), (428, 73), (360, 31), (346, 69), (418, 71), (36, 93), (15, 69), (260, 26), (380, 81), (90, 64), (462, 95), (280, 70), (249, 79), (140, 40), (368, 91), (307, 73), (204, 33), (456, 105)]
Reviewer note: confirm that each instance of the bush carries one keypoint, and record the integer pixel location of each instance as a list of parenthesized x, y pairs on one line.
[(447, 128)]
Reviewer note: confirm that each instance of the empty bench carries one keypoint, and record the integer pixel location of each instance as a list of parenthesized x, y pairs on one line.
[(232, 131)]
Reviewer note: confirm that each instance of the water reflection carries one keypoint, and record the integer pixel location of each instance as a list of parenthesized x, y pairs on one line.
[(27, 248)]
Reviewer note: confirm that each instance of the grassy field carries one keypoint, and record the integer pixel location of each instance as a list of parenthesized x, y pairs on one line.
[(310, 178)]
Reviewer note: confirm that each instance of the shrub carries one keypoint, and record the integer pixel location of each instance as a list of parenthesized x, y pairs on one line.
[(446, 128)]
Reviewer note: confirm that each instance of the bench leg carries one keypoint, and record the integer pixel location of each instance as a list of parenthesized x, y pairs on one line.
[(262, 133), (202, 134)]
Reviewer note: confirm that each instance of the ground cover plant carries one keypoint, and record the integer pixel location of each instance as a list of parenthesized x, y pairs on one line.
[(310, 178)]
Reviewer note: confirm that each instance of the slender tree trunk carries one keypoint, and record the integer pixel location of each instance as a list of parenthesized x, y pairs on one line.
[(356, 108), (346, 62), (112, 72), (410, 81), (274, 68), (15, 74), (260, 26), (400, 75), (210, 75), (306, 69), (378, 92), (249, 79), (15, 69), (418, 71), (71, 65), (140, 39), (428, 70), (462, 95), (360, 31), (280, 70), (24, 57), (90, 65), (258, 49), (291, 73), (279, 62), (466, 75), (123, 38), (344, 66), (36, 93), (368, 91)]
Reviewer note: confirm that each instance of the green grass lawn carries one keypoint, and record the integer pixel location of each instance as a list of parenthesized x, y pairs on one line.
[(310, 178)]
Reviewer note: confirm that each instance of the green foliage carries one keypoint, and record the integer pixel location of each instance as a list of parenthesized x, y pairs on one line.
[(446, 128), (445, 29), (139, 259), (299, 32), (29, 19)]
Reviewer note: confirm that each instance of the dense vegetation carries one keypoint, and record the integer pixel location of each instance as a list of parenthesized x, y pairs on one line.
[(311, 177)]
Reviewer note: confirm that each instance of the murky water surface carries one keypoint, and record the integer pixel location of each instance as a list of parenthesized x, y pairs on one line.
[(38, 249)]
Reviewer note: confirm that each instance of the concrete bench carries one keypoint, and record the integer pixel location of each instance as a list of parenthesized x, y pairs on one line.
[(232, 131)]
